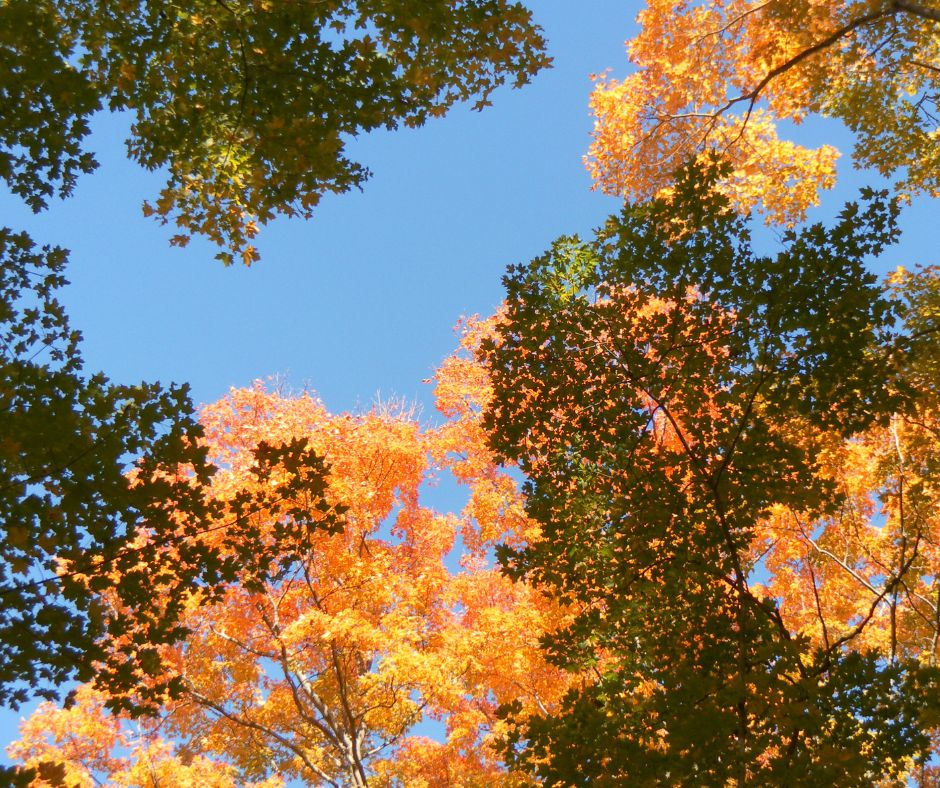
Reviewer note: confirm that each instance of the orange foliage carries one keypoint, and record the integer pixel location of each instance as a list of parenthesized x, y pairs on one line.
[(321, 672), (716, 76), (74, 746), (866, 573)]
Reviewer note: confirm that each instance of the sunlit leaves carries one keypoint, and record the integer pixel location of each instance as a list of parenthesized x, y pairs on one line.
[(717, 77), (319, 657), (76, 746), (246, 106), (334, 662)]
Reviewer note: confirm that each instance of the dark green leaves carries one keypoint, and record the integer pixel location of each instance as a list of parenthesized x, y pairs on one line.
[(47, 101), (660, 386), (248, 104)]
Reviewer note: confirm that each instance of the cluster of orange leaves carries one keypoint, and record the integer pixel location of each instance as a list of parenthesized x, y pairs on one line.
[(322, 673), (717, 76), (866, 572)]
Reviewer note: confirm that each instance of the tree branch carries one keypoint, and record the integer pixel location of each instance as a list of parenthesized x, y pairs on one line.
[(917, 9), (248, 723)]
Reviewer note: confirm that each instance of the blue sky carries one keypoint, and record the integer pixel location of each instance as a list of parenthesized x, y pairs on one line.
[(362, 298)]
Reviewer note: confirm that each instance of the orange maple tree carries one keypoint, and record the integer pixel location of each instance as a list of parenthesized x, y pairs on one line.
[(74, 746), (321, 670), (718, 76)]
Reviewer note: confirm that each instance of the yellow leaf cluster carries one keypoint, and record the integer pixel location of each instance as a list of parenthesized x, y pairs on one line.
[(716, 77), (868, 571)]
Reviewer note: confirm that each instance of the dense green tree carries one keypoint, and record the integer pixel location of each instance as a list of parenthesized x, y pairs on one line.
[(663, 387), (247, 104)]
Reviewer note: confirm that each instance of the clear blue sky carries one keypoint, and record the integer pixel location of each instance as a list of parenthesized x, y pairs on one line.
[(362, 298)]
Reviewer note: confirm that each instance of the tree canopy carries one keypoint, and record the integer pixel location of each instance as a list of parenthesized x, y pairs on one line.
[(321, 672), (104, 507), (686, 412), (720, 77), (246, 104), (723, 566)]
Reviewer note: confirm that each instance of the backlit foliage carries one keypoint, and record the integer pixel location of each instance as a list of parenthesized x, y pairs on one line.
[(73, 746), (320, 672), (716, 76), (104, 509), (246, 104), (693, 416)]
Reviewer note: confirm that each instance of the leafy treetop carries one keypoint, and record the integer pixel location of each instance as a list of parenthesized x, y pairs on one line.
[(669, 392), (108, 531), (247, 104), (718, 76), (320, 672)]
